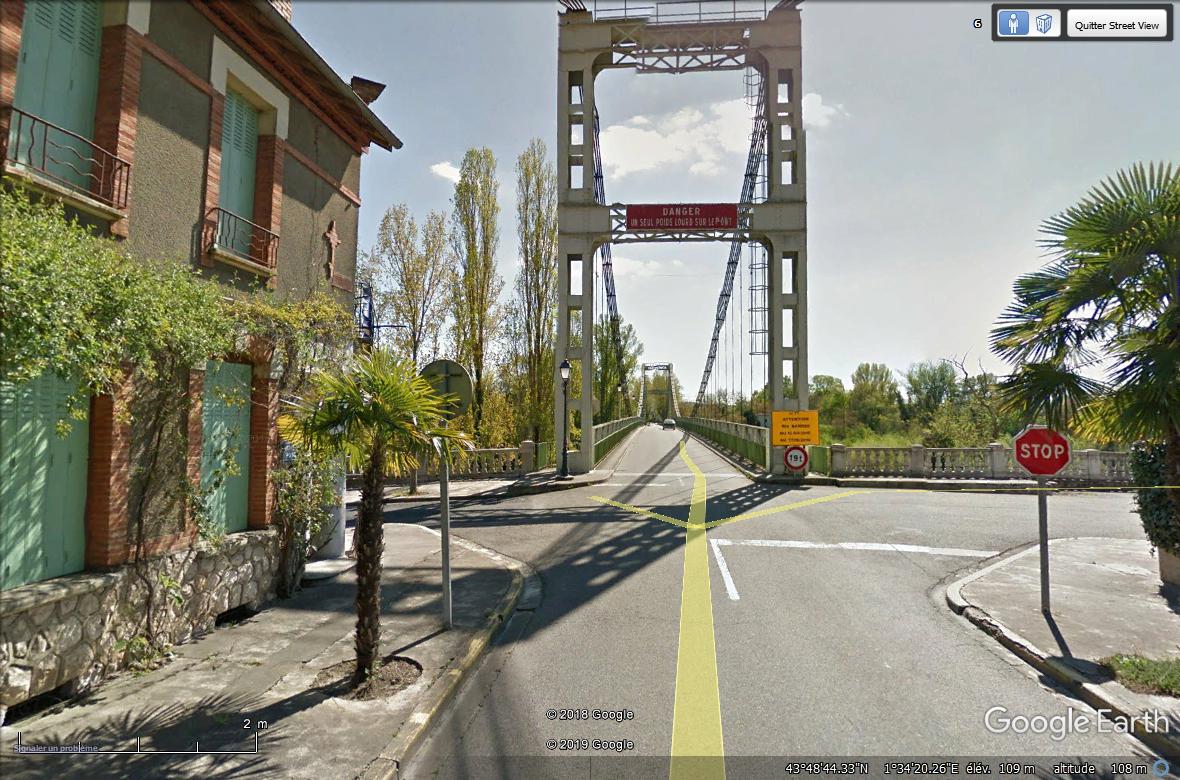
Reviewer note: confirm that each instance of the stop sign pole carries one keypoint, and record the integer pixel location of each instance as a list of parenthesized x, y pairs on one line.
[(1042, 452)]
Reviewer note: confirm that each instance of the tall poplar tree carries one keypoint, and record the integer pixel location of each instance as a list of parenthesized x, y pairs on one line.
[(475, 285), (536, 284)]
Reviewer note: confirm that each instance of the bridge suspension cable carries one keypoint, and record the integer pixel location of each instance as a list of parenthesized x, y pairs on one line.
[(608, 273), (754, 163)]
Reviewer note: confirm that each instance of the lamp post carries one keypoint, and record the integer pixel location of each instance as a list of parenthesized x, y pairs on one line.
[(564, 368)]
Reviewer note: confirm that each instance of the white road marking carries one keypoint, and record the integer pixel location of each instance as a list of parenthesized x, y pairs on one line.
[(957, 552), (730, 588)]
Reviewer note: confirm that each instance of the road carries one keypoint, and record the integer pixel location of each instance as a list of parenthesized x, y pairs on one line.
[(756, 639)]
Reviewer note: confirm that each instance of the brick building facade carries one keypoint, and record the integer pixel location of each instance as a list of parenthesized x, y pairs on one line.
[(208, 133)]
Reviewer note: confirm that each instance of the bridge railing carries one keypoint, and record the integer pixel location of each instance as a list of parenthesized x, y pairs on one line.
[(686, 11), (489, 463), (996, 461), (607, 435), (748, 441)]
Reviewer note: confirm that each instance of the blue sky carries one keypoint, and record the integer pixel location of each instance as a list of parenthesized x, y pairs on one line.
[(933, 154)]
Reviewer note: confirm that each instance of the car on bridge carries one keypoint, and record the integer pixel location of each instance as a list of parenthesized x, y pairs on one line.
[(669, 423)]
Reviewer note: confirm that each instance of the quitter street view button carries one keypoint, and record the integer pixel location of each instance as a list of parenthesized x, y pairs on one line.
[(1097, 22)]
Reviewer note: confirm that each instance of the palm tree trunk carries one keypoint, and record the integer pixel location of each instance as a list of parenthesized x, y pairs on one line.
[(370, 544)]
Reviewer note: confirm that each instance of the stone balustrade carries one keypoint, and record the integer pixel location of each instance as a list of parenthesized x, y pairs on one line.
[(486, 463), (995, 461)]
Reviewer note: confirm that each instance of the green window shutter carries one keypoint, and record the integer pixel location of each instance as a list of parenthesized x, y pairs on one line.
[(42, 483), (239, 153), (32, 70), (57, 80), (57, 75), (225, 429)]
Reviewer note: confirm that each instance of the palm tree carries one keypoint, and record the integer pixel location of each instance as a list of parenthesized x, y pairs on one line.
[(384, 419), (1109, 293)]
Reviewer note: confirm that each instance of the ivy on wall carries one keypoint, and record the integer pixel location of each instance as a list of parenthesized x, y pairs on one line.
[(79, 306)]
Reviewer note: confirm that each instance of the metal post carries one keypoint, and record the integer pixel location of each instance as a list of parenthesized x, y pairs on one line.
[(565, 425), (444, 493), (1043, 523)]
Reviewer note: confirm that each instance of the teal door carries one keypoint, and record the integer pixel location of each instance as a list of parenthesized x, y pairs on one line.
[(42, 483), (225, 450), (239, 155), (57, 81)]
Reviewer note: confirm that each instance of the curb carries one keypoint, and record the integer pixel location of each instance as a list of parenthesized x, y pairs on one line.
[(524, 593), (1097, 696)]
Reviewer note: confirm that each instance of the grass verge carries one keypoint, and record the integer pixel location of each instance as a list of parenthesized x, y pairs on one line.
[(1146, 675)]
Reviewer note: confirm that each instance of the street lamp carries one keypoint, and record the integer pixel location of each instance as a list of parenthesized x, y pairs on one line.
[(564, 368)]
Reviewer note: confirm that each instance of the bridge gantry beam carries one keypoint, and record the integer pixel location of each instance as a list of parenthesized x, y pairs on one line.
[(586, 46)]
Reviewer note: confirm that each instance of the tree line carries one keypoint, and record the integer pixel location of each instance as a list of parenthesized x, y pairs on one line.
[(438, 293), (936, 403)]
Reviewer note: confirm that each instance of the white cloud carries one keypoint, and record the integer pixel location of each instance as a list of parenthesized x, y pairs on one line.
[(708, 141), (702, 139), (630, 268), (817, 113), (446, 170)]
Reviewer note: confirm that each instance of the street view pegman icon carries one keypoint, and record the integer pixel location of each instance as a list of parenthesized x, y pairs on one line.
[(1013, 22)]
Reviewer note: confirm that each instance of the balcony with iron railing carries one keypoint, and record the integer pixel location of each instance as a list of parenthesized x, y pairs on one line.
[(240, 242), (70, 163)]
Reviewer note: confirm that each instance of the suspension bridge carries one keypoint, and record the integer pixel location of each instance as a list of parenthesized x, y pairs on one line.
[(756, 357)]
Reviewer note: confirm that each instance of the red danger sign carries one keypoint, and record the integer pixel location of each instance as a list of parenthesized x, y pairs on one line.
[(1041, 451), (795, 458), (682, 216)]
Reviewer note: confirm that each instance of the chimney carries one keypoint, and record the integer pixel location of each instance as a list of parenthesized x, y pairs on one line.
[(283, 7), (365, 89)]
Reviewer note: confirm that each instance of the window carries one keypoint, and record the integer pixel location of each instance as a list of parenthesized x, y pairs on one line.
[(239, 154), (57, 88)]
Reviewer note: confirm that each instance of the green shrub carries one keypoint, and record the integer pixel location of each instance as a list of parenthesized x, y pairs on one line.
[(1156, 510), (304, 490)]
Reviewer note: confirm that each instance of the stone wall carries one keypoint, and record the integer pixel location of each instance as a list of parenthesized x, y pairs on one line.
[(72, 629)]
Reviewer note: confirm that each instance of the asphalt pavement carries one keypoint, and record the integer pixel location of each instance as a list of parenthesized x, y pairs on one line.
[(812, 618)]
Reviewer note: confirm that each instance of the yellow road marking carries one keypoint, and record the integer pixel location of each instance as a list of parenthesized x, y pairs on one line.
[(776, 509), (725, 520), (698, 752), (641, 511), (698, 749)]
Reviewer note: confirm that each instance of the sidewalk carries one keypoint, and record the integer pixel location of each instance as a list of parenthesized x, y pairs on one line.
[(1106, 599), (263, 670)]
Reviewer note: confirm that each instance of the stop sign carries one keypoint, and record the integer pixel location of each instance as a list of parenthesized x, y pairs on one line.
[(1041, 451)]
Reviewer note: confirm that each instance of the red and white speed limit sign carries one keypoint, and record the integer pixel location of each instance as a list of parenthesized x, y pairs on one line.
[(795, 458)]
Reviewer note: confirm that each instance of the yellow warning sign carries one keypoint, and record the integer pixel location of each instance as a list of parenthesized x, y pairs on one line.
[(790, 429)]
